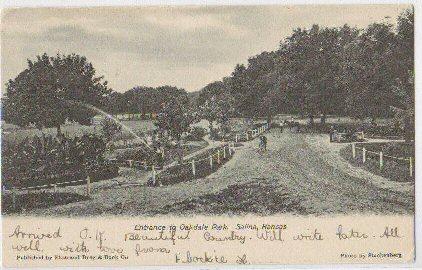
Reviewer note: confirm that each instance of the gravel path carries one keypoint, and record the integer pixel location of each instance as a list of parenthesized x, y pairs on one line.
[(300, 174)]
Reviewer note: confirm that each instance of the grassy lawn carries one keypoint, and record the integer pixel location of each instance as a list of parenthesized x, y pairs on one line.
[(12, 133), (394, 169)]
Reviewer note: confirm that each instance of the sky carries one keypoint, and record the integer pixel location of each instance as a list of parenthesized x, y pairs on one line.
[(183, 46)]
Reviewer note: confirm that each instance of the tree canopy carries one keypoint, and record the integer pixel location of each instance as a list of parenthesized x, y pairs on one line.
[(50, 90), (142, 99), (327, 70)]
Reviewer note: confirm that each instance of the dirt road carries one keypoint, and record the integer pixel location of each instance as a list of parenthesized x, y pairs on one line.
[(300, 174)]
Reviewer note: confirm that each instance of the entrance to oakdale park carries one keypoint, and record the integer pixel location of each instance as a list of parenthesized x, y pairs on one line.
[(318, 123)]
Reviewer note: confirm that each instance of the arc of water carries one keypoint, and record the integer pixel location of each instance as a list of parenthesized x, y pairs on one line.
[(114, 119)]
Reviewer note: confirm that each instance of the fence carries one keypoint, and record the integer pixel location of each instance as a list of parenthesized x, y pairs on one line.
[(210, 161), (213, 160), (253, 133), (381, 157)]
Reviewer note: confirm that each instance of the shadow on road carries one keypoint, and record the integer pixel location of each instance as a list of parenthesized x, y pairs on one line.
[(261, 197)]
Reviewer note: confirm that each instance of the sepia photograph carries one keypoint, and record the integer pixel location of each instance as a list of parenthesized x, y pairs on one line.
[(184, 111)]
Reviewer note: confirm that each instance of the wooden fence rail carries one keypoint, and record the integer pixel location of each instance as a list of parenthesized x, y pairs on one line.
[(226, 150), (381, 157)]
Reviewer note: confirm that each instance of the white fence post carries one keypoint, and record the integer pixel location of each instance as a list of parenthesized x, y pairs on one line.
[(410, 166), (224, 152), (247, 136), (14, 198), (193, 167), (381, 160), (153, 175), (54, 188), (230, 151), (353, 150), (236, 138), (363, 155), (88, 186), (211, 162), (218, 156)]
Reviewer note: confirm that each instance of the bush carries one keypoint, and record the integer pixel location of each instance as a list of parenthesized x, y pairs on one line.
[(137, 154), (196, 134), (49, 160), (109, 128)]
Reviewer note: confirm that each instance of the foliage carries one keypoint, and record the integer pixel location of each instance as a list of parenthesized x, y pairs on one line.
[(344, 70), (196, 134), (175, 117), (142, 99), (109, 128), (216, 104), (48, 91), (48, 159)]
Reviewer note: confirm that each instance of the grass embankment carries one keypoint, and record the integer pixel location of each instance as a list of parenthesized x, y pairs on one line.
[(393, 168), (143, 161), (379, 131), (184, 172), (25, 202)]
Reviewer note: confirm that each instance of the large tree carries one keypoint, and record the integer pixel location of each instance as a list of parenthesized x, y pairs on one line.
[(175, 117), (143, 99), (216, 104), (369, 72), (53, 90), (311, 65), (404, 86)]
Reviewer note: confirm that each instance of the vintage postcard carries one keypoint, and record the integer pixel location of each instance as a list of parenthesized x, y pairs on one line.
[(208, 135)]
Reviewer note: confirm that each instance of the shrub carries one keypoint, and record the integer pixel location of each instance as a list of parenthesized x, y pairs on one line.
[(109, 128), (48, 160), (196, 134)]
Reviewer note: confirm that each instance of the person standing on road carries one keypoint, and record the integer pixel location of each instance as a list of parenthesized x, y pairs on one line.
[(331, 133), (264, 142), (261, 144)]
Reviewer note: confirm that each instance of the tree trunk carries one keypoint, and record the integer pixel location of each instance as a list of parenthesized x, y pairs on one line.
[(311, 119), (408, 130), (59, 131), (269, 119), (211, 127), (373, 121), (323, 118), (179, 152)]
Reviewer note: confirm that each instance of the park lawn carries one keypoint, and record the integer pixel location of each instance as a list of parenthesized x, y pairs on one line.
[(300, 174), (12, 133), (393, 169)]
